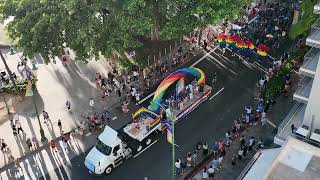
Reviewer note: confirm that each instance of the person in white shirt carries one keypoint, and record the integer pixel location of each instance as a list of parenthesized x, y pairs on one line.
[(178, 166), (205, 173), (211, 172), (91, 102)]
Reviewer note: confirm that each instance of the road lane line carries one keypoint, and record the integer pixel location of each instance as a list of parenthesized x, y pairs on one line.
[(216, 93), (144, 149), (271, 123), (207, 54)]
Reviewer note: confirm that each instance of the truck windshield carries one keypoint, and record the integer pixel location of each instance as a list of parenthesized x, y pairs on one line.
[(106, 150)]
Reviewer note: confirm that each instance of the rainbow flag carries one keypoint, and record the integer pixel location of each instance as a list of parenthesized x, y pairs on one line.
[(169, 132), (262, 51), (222, 40), (29, 91)]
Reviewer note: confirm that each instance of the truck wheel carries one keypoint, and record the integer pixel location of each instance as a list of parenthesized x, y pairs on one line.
[(148, 141), (108, 169), (139, 148)]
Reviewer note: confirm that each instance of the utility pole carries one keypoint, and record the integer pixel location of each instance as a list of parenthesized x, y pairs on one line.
[(9, 72)]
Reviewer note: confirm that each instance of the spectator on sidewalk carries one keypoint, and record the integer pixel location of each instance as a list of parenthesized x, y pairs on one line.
[(205, 174), (240, 153), (260, 144), (68, 105), (245, 150), (45, 116), (189, 160), (205, 148), (53, 146), (233, 161), (17, 165), (3, 145), (19, 127), (60, 125), (211, 172), (178, 166), (29, 144), (194, 158), (251, 143), (35, 142), (91, 103), (14, 128)]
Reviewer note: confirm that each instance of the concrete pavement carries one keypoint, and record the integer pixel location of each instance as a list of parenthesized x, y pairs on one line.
[(55, 85)]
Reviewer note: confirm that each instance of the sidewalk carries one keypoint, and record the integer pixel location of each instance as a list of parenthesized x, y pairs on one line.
[(57, 84)]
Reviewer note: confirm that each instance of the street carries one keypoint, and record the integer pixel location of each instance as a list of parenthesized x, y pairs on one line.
[(208, 122)]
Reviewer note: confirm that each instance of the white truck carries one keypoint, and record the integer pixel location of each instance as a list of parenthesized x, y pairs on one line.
[(113, 147)]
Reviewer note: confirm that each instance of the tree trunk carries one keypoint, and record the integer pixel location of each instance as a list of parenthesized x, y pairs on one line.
[(155, 31), (9, 72)]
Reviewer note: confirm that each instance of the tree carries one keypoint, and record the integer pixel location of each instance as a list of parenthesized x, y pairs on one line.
[(307, 19), (91, 27)]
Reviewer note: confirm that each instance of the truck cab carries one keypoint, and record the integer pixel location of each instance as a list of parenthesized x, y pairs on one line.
[(108, 153)]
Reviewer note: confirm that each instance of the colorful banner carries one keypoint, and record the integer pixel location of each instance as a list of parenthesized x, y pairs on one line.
[(243, 47), (173, 77), (180, 86), (222, 40)]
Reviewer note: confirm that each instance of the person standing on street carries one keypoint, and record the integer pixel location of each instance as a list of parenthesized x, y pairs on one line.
[(53, 146), (251, 143), (60, 125), (35, 142), (68, 105), (13, 127), (178, 166), (3, 145), (211, 172), (19, 127), (205, 174), (29, 144), (45, 116), (91, 103)]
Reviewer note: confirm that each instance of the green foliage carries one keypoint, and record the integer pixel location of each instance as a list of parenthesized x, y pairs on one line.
[(306, 21), (276, 84), (103, 26)]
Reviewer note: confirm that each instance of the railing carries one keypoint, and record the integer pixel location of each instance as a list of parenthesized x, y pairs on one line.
[(313, 53), (304, 87), (314, 37), (316, 9), (287, 119), (249, 165)]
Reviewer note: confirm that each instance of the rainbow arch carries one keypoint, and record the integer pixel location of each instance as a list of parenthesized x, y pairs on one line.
[(157, 98)]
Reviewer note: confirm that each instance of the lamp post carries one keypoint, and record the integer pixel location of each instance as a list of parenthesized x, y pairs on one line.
[(172, 119)]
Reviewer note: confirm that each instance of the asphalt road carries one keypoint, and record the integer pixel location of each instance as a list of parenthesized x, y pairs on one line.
[(208, 122)]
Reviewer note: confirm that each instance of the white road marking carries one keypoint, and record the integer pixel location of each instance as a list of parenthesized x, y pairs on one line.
[(260, 67), (271, 123), (216, 93), (144, 149), (207, 54)]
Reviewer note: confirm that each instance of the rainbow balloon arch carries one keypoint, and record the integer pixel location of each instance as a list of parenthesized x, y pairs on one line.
[(154, 109), (243, 47)]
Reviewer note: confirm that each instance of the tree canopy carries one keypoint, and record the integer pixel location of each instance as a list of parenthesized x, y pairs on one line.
[(90, 27)]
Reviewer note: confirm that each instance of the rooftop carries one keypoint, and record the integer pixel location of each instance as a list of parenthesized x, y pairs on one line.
[(297, 160)]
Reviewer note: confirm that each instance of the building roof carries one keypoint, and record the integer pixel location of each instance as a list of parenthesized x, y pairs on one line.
[(261, 166), (297, 160)]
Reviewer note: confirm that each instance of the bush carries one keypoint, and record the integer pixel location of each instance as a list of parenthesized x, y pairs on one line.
[(276, 84)]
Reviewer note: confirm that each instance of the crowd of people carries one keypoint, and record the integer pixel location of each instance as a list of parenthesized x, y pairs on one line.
[(270, 26)]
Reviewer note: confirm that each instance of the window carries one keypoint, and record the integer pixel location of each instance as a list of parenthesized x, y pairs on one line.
[(104, 149), (115, 149)]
